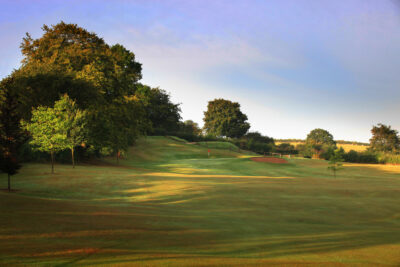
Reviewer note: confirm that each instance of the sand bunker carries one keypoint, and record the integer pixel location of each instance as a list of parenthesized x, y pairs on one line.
[(270, 160)]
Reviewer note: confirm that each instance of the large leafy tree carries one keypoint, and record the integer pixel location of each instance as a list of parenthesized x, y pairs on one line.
[(384, 138), (73, 121), (320, 141), (11, 135), (68, 59), (224, 118), (47, 129)]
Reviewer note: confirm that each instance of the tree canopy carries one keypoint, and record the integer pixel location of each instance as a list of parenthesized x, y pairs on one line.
[(320, 137), (224, 118), (384, 138), (100, 79), (47, 130), (163, 116), (74, 123), (320, 143)]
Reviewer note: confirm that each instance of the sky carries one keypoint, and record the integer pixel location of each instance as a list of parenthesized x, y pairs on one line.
[(293, 65)]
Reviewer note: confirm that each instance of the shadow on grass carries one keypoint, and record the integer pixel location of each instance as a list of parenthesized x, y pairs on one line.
[(252, 249)]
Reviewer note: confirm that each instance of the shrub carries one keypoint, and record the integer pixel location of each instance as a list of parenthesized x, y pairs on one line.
[(388, 158)]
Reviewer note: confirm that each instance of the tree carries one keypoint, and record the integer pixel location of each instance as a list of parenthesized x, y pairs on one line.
[(116, 126), (255, 142), (68, 59), (163, 115), (224, 118), (286, 148), (190, 127), (47, 129), (11, 135), (335, 161), (74, 122), (384, 138), (320, 141)]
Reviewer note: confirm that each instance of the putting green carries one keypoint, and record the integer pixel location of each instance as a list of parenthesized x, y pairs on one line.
[(169, 204)]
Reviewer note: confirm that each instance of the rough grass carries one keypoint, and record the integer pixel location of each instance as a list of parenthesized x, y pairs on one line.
[(168, 204), (219, 145)]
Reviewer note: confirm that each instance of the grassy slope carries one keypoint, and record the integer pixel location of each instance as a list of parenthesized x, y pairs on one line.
[(168, 204)]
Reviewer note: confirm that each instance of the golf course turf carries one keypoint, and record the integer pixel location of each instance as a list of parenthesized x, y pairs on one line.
[(168, 204)]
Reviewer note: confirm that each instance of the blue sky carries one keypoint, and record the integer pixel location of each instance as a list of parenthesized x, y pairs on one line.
[(293, 65)]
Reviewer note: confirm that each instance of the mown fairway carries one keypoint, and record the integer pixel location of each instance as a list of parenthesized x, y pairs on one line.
[(168, 204)]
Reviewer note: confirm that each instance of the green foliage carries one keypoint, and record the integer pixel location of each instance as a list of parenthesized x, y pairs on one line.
[(256, 142), (116, 126), (286, 148), (384, 139), (335, 161), (48, 130), (162, 115), (74, 123), (189, 127), (388, 158), (321, 143), (224, 118), (101, 79), (360, 157)]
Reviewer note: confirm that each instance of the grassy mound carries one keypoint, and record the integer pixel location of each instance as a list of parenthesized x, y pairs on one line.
[(219, 145), (163, 149)]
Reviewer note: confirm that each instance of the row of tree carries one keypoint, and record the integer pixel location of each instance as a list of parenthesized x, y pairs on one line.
[(320, 144)]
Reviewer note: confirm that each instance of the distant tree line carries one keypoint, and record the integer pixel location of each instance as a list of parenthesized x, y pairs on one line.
[(384, 146)]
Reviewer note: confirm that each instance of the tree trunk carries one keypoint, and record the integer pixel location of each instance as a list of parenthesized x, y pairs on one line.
[(52, 161), (73, 159), (9, 185), (117, 157)]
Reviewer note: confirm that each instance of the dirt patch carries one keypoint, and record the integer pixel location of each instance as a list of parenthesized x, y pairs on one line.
[(270, 160)]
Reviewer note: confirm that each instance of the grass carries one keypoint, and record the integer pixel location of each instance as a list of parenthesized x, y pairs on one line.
[(168, 204), (219, 145)]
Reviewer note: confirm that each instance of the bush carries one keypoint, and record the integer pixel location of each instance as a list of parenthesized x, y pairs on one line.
[(360, 157), (388, 158), (327, 152)]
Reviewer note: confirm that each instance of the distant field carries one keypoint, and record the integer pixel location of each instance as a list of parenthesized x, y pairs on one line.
[(346, 147), (168, 204)]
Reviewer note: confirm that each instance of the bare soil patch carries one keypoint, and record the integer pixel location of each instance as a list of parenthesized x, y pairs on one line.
[(270, 160)]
